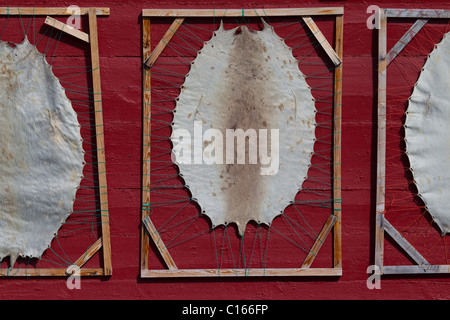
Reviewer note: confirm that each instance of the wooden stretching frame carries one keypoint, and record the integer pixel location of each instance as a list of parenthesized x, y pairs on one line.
[(382, 225), (103, 242), (148, 230)]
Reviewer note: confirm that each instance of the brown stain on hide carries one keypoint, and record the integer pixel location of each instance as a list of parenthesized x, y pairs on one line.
[(245, 95)]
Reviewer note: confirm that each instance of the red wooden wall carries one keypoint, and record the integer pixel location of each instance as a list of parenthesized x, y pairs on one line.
[(120, 50)]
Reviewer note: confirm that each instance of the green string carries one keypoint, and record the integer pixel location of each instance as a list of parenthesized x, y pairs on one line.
[(4, 26), (21, 22), (49, 43), (57, 44)]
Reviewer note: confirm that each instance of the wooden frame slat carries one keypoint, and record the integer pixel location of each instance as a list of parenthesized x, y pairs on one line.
[(403, 42), (148, 231), (337, 143), (417, 13), (277, 272), (420, 269), (319, 241), (99, 129), (382, 225), (48, 272), (163, 43), (322, 40), (67, 29), (381, 138), (242, 12), (104, 241), (87, 255), (39, 11), (146, 128), (149, 226), (404, 244)]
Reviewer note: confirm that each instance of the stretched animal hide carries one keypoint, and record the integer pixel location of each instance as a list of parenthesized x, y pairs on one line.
[(427, 132), (247, 80), (41, 155)]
